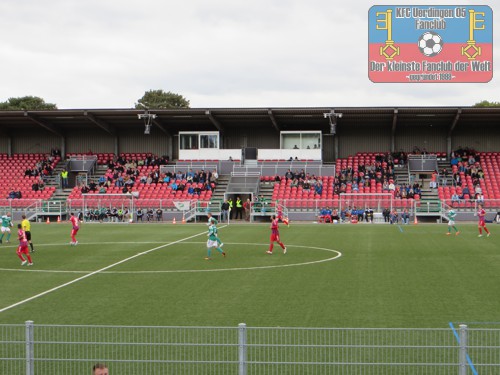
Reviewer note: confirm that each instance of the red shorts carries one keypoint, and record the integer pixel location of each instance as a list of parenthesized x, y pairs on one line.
[(275, 237), (75, 230), (481, 223), (23, 249)]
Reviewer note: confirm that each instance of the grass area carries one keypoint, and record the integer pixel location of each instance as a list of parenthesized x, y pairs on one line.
[(386, 276)]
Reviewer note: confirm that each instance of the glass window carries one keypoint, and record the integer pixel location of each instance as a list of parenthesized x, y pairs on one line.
[(189, 141), (310, 141), (209, 141), (291, 141)]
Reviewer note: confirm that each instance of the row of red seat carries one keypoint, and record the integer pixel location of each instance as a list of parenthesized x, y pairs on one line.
[(12, 177)]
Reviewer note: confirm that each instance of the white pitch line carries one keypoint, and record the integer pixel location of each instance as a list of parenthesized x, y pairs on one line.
[(339, 254), (94, 273)]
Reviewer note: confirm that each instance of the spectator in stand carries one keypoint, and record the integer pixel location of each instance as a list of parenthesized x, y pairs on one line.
[(479, 198), (306, 185), (214, 178), (318, 188), (119, 181), (433, 182), (455, 198), (102, 180), (444, 176), (174, 185), (197, 189), (465, 193)]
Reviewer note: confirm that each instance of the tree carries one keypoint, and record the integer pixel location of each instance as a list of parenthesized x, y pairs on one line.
[(159, 99), (485, 103), (26, 103)]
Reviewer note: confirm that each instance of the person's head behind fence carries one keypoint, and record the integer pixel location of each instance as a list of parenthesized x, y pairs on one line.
[(100, 369)]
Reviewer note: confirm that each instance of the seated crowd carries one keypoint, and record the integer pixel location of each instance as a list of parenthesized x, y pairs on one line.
[(130, 174)]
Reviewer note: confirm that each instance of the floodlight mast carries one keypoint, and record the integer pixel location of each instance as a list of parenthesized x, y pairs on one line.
[(148, 120), (332, 119)]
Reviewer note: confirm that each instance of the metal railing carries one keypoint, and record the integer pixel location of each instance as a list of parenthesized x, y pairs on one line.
[(61, 349)]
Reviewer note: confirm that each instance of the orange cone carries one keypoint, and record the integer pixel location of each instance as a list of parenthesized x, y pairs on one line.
[(173, 221), (59, 219), (48, 221), (183, 220)]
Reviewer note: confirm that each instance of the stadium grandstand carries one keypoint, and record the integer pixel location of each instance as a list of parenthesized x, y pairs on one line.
[(183, 163)]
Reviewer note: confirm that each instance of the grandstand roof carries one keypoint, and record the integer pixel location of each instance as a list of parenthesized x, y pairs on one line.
[(171, 121)]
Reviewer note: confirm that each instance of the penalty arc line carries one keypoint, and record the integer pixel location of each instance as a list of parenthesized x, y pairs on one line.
[(95, 272)]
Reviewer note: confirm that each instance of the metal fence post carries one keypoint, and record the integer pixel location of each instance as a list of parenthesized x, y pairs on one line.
[(30, 352), (242, 349), (462, 369)]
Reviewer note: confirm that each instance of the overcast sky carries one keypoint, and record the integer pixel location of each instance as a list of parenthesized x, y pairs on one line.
[(217, 53)]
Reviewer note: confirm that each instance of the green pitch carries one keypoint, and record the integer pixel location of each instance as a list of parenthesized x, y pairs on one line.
[(332, 276)]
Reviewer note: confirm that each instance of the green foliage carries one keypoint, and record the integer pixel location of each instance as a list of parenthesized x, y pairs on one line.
[(159, 99), (485, 103), (26, 103)]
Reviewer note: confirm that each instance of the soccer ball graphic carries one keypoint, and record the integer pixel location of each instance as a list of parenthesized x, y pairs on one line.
[(430, 43)]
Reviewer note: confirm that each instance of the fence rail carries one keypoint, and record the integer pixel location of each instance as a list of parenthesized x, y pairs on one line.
[(60, 349)]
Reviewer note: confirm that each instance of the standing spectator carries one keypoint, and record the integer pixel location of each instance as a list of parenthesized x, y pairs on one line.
[(159, 214), (230, 202), (386, 213), (149, 214), (224, 208), (239, 208), (139, 214), (247, 207), (64, 178)]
